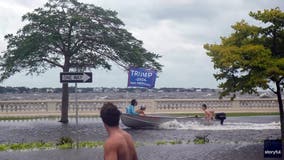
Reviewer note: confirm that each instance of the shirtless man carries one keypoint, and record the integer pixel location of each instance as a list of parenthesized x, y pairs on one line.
[(119, 145), (209, 115)]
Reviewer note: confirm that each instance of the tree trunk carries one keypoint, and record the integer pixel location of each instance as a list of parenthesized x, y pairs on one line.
[(279, 98), (65, 94), (64, 103)]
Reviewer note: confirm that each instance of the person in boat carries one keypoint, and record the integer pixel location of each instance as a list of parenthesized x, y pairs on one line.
[(119, 144), (141, 111), (208, 114), (131, 108)]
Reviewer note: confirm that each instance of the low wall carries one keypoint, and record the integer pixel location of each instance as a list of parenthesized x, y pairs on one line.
[(92, 107)]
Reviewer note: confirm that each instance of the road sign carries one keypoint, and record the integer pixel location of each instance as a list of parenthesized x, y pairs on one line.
[(76, 77)]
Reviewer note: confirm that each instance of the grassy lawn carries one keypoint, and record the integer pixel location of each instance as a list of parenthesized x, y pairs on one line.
[(252, 114), (237, 114), (40, 117), (174, 114), (26, 117)]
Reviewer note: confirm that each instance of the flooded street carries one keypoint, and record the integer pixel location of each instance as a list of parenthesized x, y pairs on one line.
[(239, 138), (176, 152)]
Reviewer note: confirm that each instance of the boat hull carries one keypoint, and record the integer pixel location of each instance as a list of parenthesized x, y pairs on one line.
[(136, 121)]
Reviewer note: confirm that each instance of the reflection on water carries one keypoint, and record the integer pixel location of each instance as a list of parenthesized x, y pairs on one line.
[(238, 136), (49, 129), (251, 129), (164, 152)]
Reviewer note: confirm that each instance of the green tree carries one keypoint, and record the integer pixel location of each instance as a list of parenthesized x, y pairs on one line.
[(73, 36), (252, 57)]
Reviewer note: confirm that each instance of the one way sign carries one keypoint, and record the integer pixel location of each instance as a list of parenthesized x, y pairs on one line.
[(76, 77)]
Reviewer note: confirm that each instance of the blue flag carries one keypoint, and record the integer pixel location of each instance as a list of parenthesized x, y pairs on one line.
[(140, 77)]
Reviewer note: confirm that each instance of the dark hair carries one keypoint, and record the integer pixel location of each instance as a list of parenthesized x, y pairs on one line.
[(133, 102), (142, 108), (110, 114), (204, 105)]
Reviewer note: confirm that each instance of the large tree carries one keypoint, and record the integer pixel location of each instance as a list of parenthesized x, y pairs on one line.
[(252, 57), (72, 36)]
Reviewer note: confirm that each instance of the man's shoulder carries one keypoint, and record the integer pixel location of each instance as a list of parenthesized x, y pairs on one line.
[(117, 139), (126, 135), (111, 142), (117, 136)]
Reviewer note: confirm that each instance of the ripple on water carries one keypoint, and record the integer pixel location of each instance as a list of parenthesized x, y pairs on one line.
[(194, 125), (92, 129)]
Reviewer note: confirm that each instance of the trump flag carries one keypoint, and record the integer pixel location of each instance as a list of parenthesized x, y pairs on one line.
[(141, 77)]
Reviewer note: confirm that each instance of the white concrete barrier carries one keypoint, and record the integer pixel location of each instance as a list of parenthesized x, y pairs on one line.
[(153, 105)]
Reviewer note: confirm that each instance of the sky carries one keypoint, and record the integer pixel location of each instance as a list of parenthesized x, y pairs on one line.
[(175, 29)]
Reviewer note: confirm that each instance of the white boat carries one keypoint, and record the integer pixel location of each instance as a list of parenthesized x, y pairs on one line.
[(149, 121), (154, 121)]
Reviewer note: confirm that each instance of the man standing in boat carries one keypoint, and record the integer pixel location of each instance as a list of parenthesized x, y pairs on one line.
[(209, 114), (131, 108), (119, 144)]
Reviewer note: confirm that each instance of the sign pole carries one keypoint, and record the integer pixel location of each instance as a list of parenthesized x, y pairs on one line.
[(76, 77), (76, 104), (126, 98)]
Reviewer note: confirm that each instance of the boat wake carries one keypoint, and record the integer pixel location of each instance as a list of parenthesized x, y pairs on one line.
[(194, 125)]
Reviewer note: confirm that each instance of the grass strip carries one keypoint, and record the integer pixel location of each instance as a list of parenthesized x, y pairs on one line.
[(48, 145), (41, 117), (234, 114)]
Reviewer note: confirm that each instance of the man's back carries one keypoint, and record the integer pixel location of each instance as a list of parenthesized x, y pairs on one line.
[(120, 146), (209, 114)]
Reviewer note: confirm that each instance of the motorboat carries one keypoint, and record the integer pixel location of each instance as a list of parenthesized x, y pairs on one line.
[(149, 121), (154, 121)]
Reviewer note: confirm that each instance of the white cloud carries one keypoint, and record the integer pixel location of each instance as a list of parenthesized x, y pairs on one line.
[(176, 29), (165, 38), (11, 13)]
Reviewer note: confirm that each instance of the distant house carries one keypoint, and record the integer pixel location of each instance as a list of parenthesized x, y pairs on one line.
[(198, 90), (206, 90), (98, 90), (49, 90)]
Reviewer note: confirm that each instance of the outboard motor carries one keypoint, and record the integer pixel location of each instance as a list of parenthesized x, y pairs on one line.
[(221, 117)]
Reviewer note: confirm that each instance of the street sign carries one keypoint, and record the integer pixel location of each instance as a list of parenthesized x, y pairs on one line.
[(76, 77)]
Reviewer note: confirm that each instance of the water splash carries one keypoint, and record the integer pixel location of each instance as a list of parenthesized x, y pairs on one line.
[(194, 125)]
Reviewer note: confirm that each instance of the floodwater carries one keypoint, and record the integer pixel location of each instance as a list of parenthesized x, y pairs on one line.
[(239, 138)]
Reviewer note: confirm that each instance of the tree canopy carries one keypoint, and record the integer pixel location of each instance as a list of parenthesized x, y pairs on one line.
[(252, 57), (73, 36), (69, 34)]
